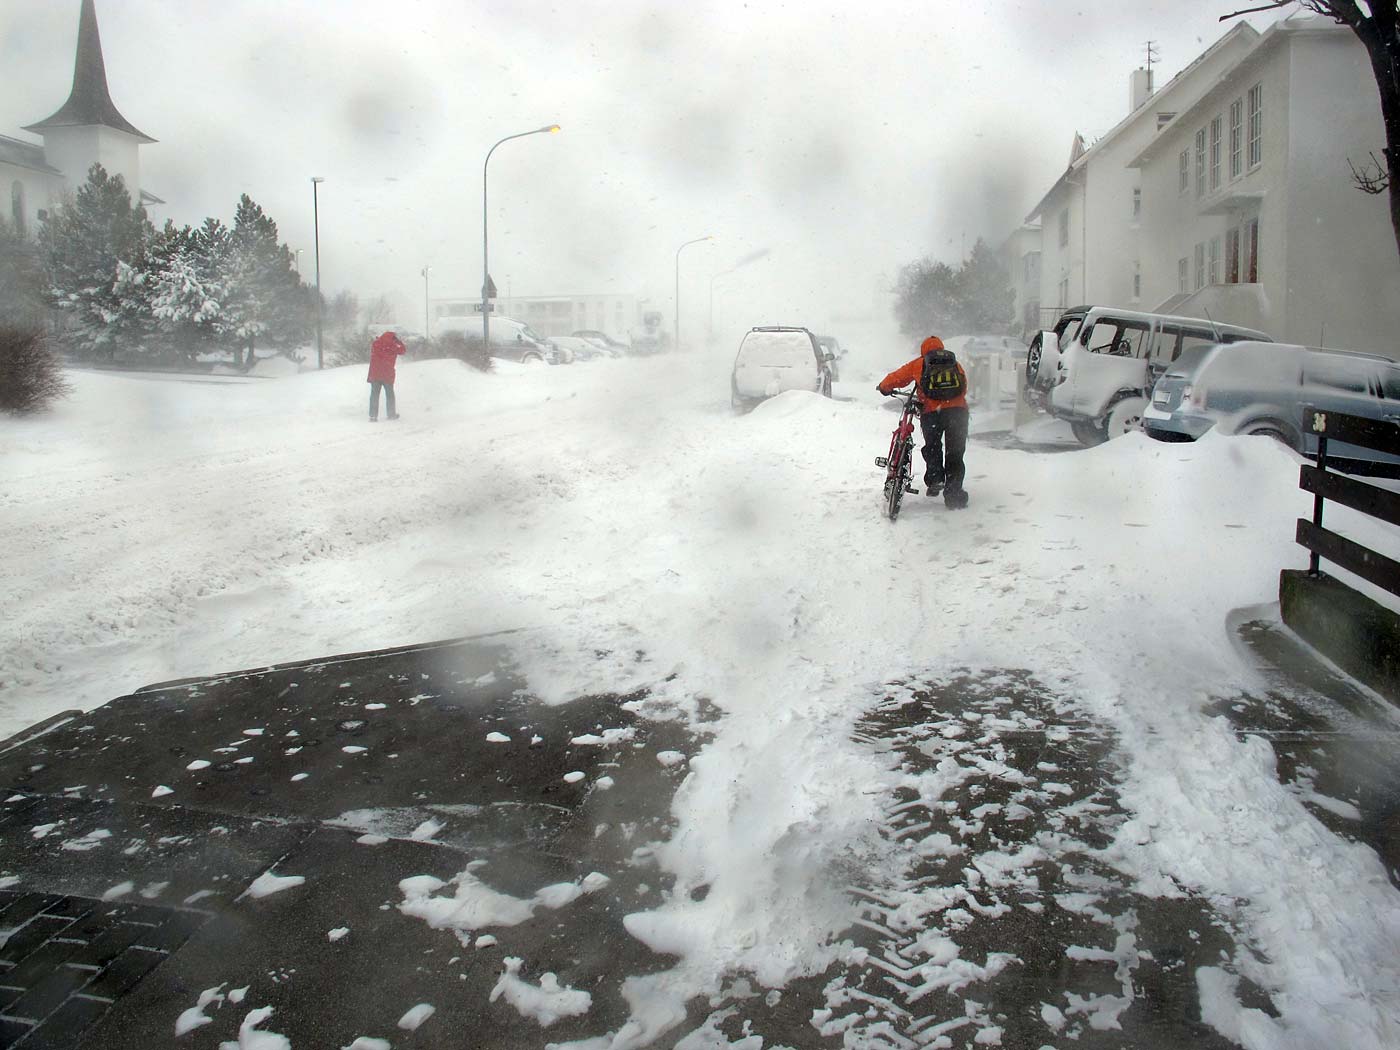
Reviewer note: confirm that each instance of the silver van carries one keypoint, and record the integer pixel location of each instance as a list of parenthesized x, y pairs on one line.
[(1096, 368), (1261, 388)]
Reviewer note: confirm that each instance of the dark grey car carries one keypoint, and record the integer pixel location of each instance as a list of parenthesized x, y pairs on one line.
[(1261, 388)]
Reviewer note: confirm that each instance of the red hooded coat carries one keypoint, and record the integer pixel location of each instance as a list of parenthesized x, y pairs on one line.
[(382, 354)]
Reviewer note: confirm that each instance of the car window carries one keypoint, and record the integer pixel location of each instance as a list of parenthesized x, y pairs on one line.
[(1390, 384), (1333, 372), (778, 350), (1119, 338), (1067, 331)]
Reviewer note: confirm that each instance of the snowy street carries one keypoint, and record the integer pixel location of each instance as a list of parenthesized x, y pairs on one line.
[(637, 535)]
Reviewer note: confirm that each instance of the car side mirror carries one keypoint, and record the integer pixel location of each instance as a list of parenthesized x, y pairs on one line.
[(828, 356)]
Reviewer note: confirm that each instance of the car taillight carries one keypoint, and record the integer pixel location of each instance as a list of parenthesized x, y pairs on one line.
[(1195, 396)]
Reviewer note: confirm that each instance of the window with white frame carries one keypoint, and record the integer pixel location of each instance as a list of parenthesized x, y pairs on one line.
[(1064, 292), (1232, 255), (17, 207), (1213, 269), (1183, 182), (1251, 250), (1256, 125), (1215, 154), (1200, 266), (1183, 274), (1236, 138), (1137, 280), (1064, 227), (1201, 163), (1137, 203)]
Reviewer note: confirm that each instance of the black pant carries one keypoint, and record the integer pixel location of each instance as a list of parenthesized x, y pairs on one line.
[(945, 441), (388, 388)]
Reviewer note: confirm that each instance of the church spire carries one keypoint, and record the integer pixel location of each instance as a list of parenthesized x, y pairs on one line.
[(89, 103)]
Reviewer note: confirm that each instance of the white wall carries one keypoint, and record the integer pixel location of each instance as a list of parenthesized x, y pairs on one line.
[(1343, 265), (38, 191), (74, 150)]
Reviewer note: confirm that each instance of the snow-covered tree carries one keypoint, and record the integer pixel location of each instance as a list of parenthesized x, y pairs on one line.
[(21, 280), (93, 247), (263, 297)]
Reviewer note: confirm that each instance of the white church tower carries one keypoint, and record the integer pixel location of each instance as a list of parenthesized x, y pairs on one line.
[(88, 129)]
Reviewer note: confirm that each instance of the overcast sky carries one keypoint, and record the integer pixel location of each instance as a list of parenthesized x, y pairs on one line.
[(846, 138)]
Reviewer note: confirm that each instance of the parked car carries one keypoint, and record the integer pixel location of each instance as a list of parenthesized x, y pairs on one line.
[(832, 346), (774, 359), (580, 349), (511, 340), (616, 346), (1262, 388), (1097, 367)]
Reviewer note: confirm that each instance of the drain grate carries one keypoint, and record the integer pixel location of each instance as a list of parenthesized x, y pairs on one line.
[(65, 960)]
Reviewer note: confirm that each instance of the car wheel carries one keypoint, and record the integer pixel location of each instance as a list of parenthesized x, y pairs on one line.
[(1268, 428), (826, 387), (531, 359), (1088, 433), (1033, 361), (1125, 417)]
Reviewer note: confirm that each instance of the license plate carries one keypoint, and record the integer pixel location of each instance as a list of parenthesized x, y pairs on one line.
[(881, 461), (1161, 397)]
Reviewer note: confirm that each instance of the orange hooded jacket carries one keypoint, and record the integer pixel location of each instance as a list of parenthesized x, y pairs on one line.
[(911, 372)]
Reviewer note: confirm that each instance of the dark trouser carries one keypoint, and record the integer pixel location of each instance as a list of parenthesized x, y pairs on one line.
[(388, 389), (945, 440)]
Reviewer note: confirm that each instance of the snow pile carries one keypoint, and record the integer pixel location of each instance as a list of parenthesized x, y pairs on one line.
[(475, 906), (544, 1003), (626, 510)]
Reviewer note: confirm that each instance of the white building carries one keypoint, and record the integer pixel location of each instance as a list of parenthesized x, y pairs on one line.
[(616, 315), (1090, 219), (86, 130), (1250, 212), (1020, 254)]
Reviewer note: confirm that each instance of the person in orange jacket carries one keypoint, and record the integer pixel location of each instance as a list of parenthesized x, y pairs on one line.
[(942, 386)]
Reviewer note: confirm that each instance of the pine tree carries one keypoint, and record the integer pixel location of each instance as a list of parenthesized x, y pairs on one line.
[(984, 287), (264, 296), (186, 289), (93, 248)]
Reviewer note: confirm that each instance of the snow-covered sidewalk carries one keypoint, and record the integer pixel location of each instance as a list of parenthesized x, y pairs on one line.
[(645, 537)]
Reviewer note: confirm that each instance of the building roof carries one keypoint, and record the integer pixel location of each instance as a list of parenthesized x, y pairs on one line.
[(1270, 39), (1079, 162), (24, 155), (89, 103)]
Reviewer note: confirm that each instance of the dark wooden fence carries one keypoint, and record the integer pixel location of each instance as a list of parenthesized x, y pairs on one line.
[(1370, 499)]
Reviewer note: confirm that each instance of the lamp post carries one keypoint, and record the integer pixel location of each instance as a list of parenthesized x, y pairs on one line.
[(697, 240), (297, 261), (486, 290), (427, 309), (316, 181)]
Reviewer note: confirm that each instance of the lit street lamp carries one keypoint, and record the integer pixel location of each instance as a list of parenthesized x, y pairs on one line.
[(316, 181), (487, 292), (427, 314), (697, 240)]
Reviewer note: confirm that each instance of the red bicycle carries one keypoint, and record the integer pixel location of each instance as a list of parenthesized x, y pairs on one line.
[(896, 464)]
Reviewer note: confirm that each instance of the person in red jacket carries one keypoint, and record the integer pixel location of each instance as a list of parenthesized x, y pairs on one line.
[(942, 386), (383, 353)]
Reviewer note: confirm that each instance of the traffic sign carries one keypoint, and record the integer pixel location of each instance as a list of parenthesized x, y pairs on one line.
[(490, 308)]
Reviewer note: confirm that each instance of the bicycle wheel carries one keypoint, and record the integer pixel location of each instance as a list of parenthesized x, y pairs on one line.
[(894, 484)]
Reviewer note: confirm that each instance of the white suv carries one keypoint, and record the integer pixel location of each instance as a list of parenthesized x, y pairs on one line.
[(1097, 367), (775, 359)]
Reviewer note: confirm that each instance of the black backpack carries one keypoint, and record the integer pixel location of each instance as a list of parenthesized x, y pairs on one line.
[(941, 380)]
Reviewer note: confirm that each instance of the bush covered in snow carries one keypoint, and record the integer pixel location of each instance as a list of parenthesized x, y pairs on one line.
[(468, 349), (31, 378)]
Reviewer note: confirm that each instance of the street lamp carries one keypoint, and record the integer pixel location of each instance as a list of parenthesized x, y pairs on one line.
[(297, 261), (486, 289), (316, 181), (427, 312), (697, 240)]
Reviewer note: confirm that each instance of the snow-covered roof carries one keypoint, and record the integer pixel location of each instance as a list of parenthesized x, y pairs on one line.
[(24, 155)]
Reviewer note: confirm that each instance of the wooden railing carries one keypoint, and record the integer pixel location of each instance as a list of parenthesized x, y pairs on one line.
[(1369, 499)]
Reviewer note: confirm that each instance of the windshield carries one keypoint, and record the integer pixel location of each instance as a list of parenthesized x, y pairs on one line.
[(560, 524)]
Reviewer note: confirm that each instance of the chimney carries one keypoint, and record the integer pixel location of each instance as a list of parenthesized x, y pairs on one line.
[(1139, 89)]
